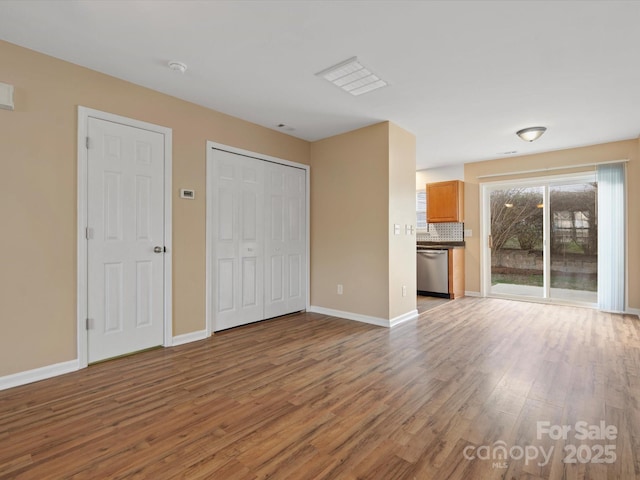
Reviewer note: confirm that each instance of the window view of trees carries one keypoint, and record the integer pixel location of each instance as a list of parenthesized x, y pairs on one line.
[(517, 230), (516, 219), (574, 219)]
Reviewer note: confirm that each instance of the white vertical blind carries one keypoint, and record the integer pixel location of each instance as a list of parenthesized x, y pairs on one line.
[(611, 237)]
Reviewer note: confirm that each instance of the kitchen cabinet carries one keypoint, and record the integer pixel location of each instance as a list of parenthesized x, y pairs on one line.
[(445, 202), (456, 272)]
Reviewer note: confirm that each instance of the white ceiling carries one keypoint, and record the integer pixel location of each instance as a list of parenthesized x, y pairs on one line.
[(464, 76)]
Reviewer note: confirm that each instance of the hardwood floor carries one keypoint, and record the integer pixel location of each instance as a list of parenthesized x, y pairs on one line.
[(315, 397), (425, 303)]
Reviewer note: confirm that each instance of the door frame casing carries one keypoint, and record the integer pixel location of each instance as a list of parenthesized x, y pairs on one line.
[(209, 219), (84, 114)]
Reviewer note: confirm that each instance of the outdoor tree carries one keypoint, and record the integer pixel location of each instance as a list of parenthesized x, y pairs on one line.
[(516, 213), (573, 205), (517, 218)]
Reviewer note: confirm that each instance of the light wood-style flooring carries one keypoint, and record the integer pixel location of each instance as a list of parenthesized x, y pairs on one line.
[(426, 303), (309, 397)]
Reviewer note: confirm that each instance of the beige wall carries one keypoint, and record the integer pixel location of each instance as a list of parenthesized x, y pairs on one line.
[(362, 182), (624, 150), (438, 174), (349, 221), (38, 197), (402, 211)]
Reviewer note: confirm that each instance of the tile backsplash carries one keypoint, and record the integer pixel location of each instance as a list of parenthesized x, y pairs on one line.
[(441, 232)]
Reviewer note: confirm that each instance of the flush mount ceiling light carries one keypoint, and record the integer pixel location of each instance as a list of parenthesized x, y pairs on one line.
[(285, 127), (532, 133), (177, 66), (352, 77)]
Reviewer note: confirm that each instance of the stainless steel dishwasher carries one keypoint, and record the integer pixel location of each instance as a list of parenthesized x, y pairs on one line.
[(433, 272)]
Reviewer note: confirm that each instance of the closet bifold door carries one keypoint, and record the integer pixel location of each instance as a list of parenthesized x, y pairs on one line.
[(285, 240), (259, 240), (238, 237)]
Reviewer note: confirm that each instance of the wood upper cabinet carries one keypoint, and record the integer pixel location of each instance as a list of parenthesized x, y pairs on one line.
[(445, 202)]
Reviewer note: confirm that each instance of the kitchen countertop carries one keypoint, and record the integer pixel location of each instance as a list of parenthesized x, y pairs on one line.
[(441, 245)]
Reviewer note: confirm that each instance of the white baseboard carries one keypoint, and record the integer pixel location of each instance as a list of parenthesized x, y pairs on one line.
[(42, 373), (467, 293), (412, 315), (189, 337), (380, 322), (633, 311), (49, 371)]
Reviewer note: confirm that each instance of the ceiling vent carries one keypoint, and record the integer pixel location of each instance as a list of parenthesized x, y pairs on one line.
[(352, 77)]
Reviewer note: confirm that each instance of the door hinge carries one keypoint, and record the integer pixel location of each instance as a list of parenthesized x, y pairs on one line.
[(89, 233), (89, 323), (87, 142)]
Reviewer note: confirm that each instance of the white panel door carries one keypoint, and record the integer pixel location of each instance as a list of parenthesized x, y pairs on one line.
[(285, 240), (238, 240), (126, 221)]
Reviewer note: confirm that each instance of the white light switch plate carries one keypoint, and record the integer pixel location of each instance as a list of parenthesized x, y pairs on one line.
[(468, 233)]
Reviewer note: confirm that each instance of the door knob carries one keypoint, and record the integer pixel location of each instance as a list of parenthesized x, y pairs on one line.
[(158, 249)]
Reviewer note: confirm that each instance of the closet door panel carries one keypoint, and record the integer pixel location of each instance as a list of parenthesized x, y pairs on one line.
[(296, 228), (238, 231), (285, 240), (275, 251), (259, 229)]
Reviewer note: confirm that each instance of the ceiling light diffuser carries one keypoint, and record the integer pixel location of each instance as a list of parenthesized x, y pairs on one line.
[(532, 133), (352, 77)]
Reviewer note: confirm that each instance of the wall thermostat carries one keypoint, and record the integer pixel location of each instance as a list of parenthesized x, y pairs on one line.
[(6, 96), (187, 193)]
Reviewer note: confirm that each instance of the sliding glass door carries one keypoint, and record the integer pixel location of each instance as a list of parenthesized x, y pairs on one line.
[(573, 245), (543, 239), (517, 240)]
